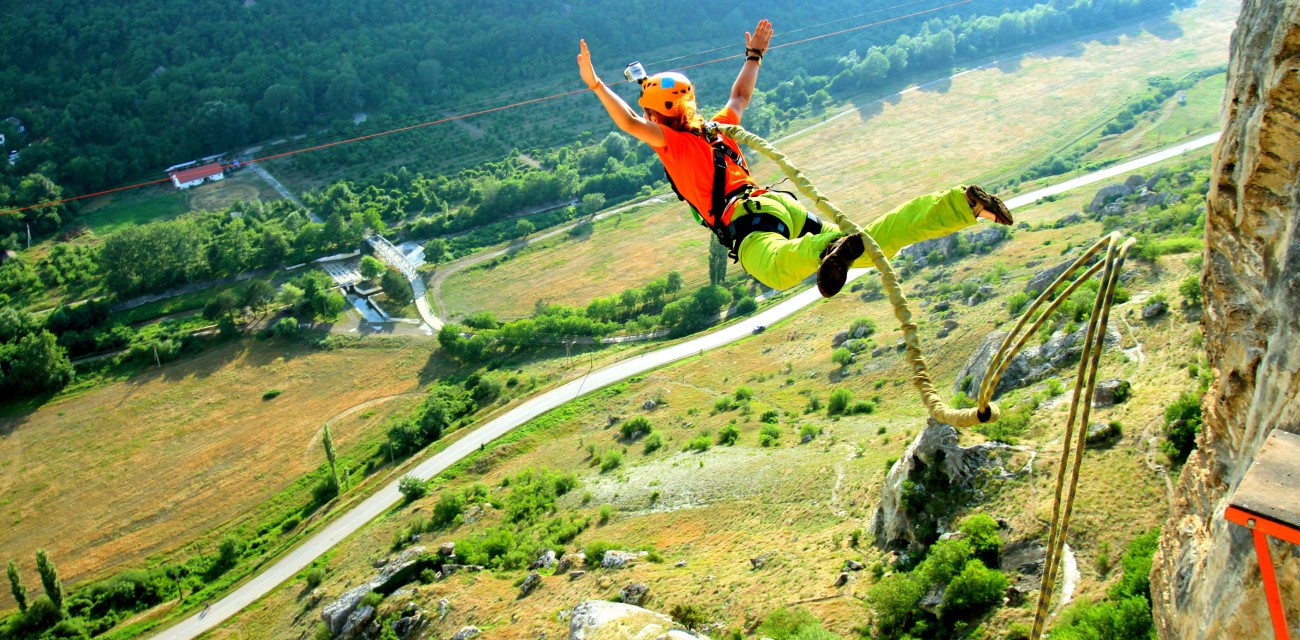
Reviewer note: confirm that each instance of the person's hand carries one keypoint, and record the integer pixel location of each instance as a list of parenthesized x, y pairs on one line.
[(584, 65), (761, 37)]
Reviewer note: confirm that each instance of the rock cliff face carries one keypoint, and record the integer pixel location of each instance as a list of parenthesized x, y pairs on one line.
[(1205, 579)]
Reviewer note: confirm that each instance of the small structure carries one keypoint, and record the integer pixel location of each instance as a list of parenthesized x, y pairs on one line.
[(196, 176), (16, 123), (13, 157)]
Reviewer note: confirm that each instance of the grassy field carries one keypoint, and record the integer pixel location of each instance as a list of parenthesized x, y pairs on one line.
[(704, 508), (195, 443), (982, 126), (114, 212)]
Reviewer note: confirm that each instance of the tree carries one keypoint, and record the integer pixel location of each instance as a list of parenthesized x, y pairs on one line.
[(524, 228), (412, 488), (435, 250), (395, 286), (371, 268), (593, 202), (16, 587), (328, 442), (37, 364), (50, 579), (674, 282), (717, 263), (258, 294)]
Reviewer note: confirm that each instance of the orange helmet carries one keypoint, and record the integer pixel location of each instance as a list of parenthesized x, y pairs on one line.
[(665, 92)]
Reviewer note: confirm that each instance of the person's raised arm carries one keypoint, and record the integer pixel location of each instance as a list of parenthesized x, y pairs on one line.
[(622, 115), (755, 47)]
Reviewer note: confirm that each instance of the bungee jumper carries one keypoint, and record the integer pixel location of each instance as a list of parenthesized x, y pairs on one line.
[(769, 232)]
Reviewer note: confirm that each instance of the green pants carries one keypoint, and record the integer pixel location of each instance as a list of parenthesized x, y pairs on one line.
[(781, 262)]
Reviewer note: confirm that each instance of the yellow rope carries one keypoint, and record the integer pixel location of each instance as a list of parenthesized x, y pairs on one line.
[(986, 411), (939, 410)]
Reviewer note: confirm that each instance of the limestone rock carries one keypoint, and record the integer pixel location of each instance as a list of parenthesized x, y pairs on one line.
[(466, 633), (1106, 195), (840, 338), (356, 622), (649, 405), (1100, 433), (943, 470), (544, 561), (574, 575), (1111, 392), (335, 614), (1205, 579), (570, 560), (842, 580), (853, 565), (530, 584), (1032, 364), (447, 549), (602, 620), (932, 601), (1069, 219), (407, 626), (634, 593), (1045, 277), (615, 559), (1154, 310)]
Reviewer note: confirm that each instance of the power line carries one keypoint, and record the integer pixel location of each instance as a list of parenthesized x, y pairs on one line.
[(511, 105)]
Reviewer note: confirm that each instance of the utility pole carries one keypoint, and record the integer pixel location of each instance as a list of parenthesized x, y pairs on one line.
[(29, 236), (155, 356)]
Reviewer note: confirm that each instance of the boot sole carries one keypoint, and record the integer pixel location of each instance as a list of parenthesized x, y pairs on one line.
[(992, 204), (834, 270)]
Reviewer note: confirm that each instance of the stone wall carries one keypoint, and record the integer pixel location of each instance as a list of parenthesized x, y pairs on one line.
[(1205, 579)]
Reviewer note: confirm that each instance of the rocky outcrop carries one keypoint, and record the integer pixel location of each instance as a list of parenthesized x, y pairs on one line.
[(1032, 364), (393, 573), (943, 476), (1205, 581), (602, 620)]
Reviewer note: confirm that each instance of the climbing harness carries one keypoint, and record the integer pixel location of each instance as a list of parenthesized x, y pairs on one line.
[(1116, 250)]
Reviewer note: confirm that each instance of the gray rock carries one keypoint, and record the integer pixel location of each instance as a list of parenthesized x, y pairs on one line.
[(1045, 277), (1154, 310), (1071, 219), (448, 569), (920, 250), (760, 561), (466, 633), (861, 332), (987, 238), (943, 333), (1026, 558), (1100, 433), (879, 351), (544, 561), (570, 560), (447, 549), (1111, 392), (840, 338), (942, 305), (335, 614), (604, 620), (1032, 364), (649, 405), (1134, 181), (853, 565), (807, 437), (407, 626), (574, 575), (444, 605), (634, 594), (615, 559), (934, 464), (530, 584), (1015, 596), (356, 622), (932, 601), (842, 580), (950, 324), (1108, 194), (680, 564)]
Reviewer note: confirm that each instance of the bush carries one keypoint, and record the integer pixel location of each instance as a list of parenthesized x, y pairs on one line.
[(893, 601), (744, 393), (372, 599), (1016, 303), (451, 504), (841, 398), (1191, 291), (728, 435), (286, 327), (606, 513), (700, 443), (982, 532), (973, 590), (862, 407), (862, 323), (770, 416), (842, 356), (944, 561), (814, 405), (271, 393), (724, 404), (768, 435), (808, 432), (634, 428), (1183, 421), (412, 488), (688, 615), (595, 551), (1054, 387), (784, 624), (314, 577), (653, 442), (612, 460), (746, 306), (324, 490)]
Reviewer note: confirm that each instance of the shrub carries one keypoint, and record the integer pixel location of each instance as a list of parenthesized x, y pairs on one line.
[(324, 490), (807, 432), (768, 435), (728, 435), (286, 327), (841, 398), (770, 416), (700, 443), (784, 624), (862, 407), (1054, 387), (976, 588), (982, 532), (372, 599), (744, 393), (1191, 291), (724, 404), (606, 512), (842, 356), (893, 601), (271, 394), (612, 459), (451, 504), (1183, 420), (412, 488), (653, 442), (688, 615), (944, 561), (746, 306), (636, 427), (314, 577), (595, 551), (865, 323)]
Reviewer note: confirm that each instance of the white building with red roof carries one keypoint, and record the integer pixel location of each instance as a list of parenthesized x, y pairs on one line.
[(187, 178)]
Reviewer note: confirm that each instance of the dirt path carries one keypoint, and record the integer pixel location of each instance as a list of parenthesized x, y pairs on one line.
[(1071, 576), (839, 480)]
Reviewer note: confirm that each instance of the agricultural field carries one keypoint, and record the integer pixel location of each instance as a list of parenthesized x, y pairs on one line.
[(983, 126), (115, 212)]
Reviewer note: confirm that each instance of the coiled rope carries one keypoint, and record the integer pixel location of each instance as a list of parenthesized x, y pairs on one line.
[(986, 410)]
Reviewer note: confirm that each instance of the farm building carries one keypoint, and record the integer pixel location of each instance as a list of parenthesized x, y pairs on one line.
[(193, 177)]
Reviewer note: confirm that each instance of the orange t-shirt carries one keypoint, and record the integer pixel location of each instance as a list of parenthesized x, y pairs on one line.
[(688, 158)]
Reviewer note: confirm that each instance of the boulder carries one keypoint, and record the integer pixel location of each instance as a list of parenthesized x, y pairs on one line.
[(444, 605), (1100, 433), (941, 306), (356, 622), (570, 560), (920, 250), (943, 333), (530, 584), (680, 564), (544, 561), (1015, 596), (840, 338), (932, 601), (1032, 364), (1025, 558), (950, 324), (1154, 310), (649, 405), (335, 614), (842, 580), (401, 570), (603, 620), (1134, 181), (759, 562), (853, 565), (1111, 392), (634, 593), (1106, 195), (408, 626), (466, 633), (614, 559), (943, 474), (574, 575), (987, 238), (1070, 219), (1045, 277)]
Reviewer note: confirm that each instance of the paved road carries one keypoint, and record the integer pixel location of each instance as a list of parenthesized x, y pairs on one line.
[(348, 523)]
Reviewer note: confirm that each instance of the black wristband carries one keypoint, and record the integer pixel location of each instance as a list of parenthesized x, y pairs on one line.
[(758, 53), (758, 59)]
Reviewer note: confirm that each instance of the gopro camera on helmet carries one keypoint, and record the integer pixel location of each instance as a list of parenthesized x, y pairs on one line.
[(634, 73)]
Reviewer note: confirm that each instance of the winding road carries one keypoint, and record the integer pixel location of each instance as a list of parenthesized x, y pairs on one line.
[(348, 523)]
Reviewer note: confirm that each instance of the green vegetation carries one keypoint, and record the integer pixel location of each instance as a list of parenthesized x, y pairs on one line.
[(653, 442), (769, 435), (1125, 614), (728, 435), (797, 624), (635, 428), (969, 589), (1182, 423)]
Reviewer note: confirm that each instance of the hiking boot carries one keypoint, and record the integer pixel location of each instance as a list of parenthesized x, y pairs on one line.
[(836, 261), (980, 201)]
